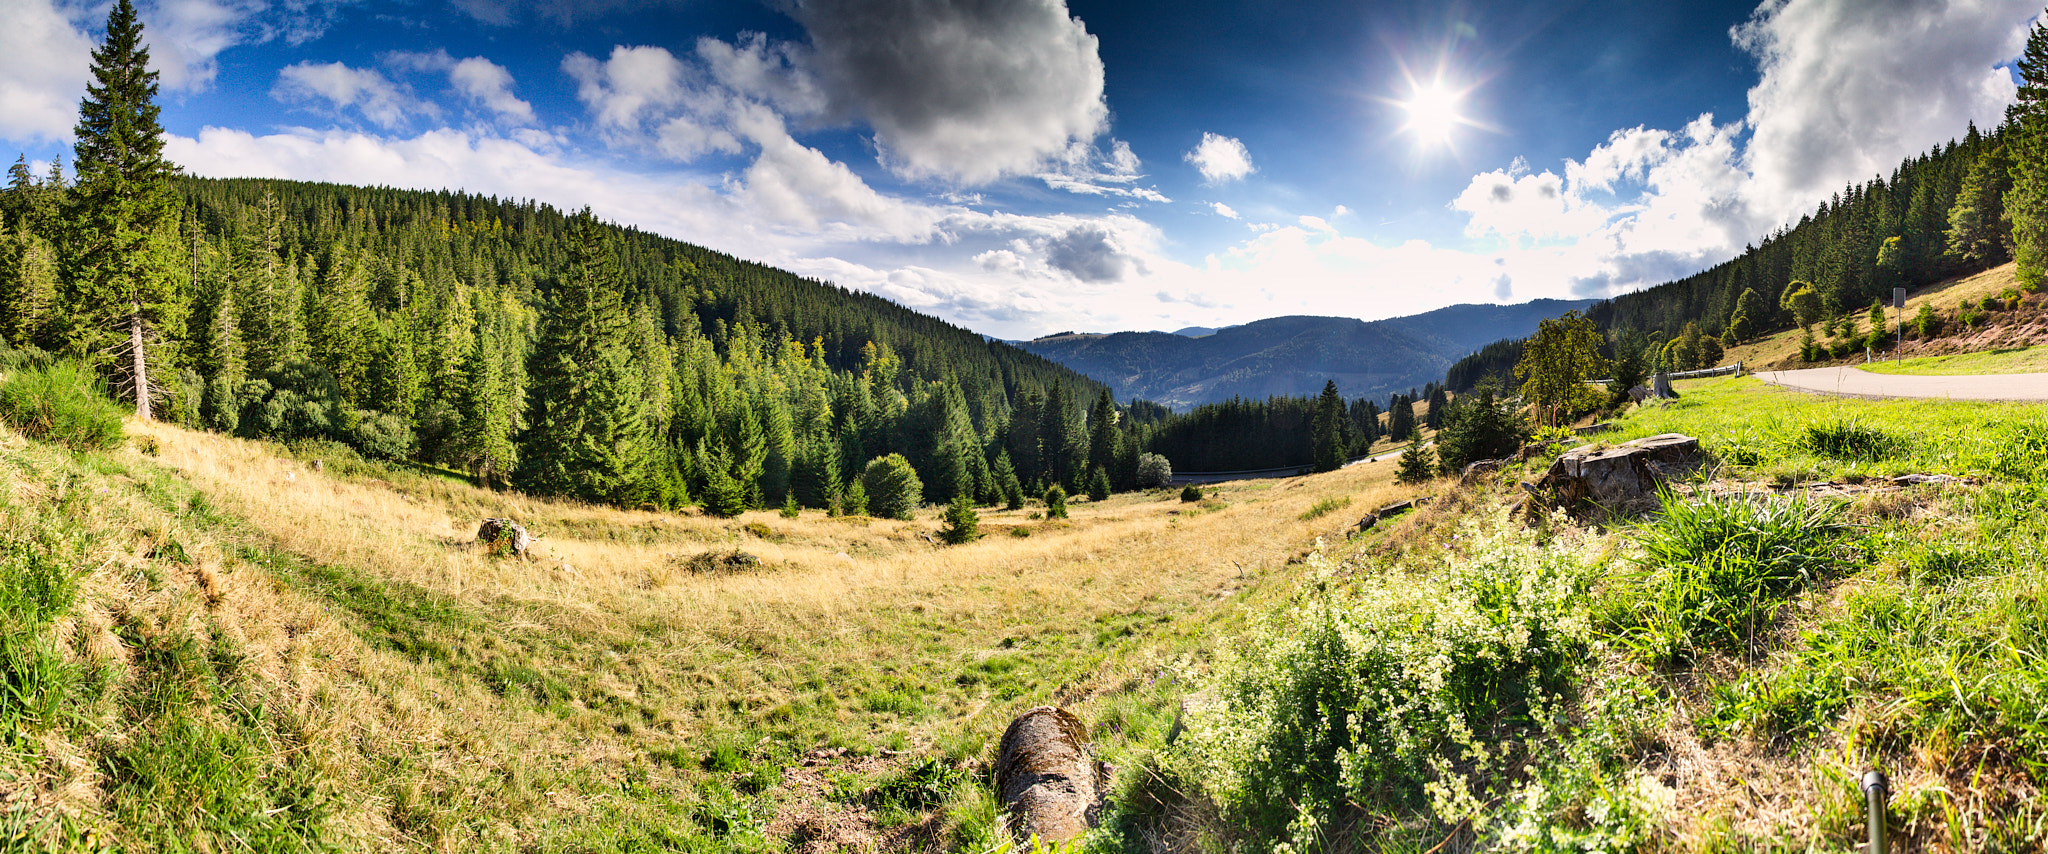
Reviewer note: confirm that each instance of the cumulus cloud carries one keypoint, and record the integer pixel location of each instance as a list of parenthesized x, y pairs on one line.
[(629, 85), (1089, 253), (965, 91), (1220, 159), (1223, 210), (1848, 89), (367, 91), (482, 82), (43, 62), (1085, 169)]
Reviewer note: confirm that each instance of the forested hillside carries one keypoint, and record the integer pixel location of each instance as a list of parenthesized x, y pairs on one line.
[(415, 325)]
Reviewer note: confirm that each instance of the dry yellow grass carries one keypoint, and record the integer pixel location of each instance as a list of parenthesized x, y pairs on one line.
[(463, 700)]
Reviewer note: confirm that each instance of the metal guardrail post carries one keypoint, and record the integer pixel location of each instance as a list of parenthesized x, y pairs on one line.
[(1874, 792)]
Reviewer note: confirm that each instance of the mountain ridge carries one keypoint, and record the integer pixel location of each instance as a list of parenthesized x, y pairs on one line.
[(1291, 354)]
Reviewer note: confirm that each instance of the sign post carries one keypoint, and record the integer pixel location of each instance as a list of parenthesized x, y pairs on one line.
[(1899, 302)]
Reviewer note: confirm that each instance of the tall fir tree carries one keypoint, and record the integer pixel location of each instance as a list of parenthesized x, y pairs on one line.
[(588, 437), (1327, 433), (2026, 204), (124, 298)]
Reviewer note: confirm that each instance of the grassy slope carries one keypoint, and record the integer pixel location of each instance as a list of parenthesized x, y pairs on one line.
[(2007, 360), (1916, 647), (1781, 350), (351, 670)]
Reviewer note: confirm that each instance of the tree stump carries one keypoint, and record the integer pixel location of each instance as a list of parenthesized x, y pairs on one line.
[(1050, 786), (504, 534), (1620, 480)]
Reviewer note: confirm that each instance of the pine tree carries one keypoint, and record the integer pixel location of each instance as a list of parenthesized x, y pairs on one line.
[(1400, 419), (1977, 231), (1105, 443), (124, 299), (2026, 204), (1415, 465), (28, 289), (963, 525), (340, 326), (483, 438), (1006, 481), (589, 438), (892, 487), (1098, 484), (1327, 431)]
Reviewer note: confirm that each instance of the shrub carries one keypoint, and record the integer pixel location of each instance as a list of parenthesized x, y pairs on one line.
[(1378, 696), (1926, 324), (1098, 485), (382, 436), (1154, 471), (789, 508), (962, 523), (1477, 427), (1325, 507), (1191, 493), (718, 562), (61, 403), (893, 490), (1055, 502)]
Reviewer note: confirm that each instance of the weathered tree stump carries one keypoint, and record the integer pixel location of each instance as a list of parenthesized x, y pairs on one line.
[(1050, 786), (1482, 468), (1622, 479), (504, 534)]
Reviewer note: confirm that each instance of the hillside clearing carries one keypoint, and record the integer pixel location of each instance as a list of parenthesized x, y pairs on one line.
[(416, 692)]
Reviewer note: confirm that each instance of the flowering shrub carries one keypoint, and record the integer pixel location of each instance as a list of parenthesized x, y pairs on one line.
[(1392, 691)]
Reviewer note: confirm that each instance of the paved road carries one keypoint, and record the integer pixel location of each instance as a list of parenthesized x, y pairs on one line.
[(1855, 382)]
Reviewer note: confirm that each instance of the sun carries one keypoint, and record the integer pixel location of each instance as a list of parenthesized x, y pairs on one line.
[(1433, 113)]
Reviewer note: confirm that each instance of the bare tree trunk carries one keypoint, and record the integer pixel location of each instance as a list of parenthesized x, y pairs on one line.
[(140, 363)]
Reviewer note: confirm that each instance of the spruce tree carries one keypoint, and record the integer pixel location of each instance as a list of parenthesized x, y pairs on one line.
[(588, 436), (1006, 481), (1415, 465), (963, 525), (1327, 430), (1977, 232), (2026, 204), (124, 299)]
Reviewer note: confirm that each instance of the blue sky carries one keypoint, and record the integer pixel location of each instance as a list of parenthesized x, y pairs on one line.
[(1028, 166)]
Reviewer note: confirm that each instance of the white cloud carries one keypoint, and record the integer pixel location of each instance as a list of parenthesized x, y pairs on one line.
[(366, 90), (1220, 159), (482, 82), (632, 83), (43, 68), (1849, 89), (771, 72), (960, 92), (1223, 210), (1085, 169)]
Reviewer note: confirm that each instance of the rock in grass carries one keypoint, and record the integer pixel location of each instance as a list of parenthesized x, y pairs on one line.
[(505, 535), (1050, 786)]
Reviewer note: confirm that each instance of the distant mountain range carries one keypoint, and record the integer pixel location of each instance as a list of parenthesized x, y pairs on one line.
[(1292, 355)]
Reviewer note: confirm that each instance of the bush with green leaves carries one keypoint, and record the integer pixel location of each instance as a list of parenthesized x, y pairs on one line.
[(1154, 471), (1055, 502), (1479, 427), (892, 486), (1098, 484), (61, 403), (1391, 691), (1190, 493)]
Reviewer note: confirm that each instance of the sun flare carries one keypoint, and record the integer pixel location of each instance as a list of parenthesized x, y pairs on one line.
[(1433, 113)]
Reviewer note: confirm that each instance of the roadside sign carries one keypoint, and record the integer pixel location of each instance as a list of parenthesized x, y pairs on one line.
[(1898, 297)]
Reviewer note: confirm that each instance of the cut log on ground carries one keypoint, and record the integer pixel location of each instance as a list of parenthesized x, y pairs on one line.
[(1050, 786)]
